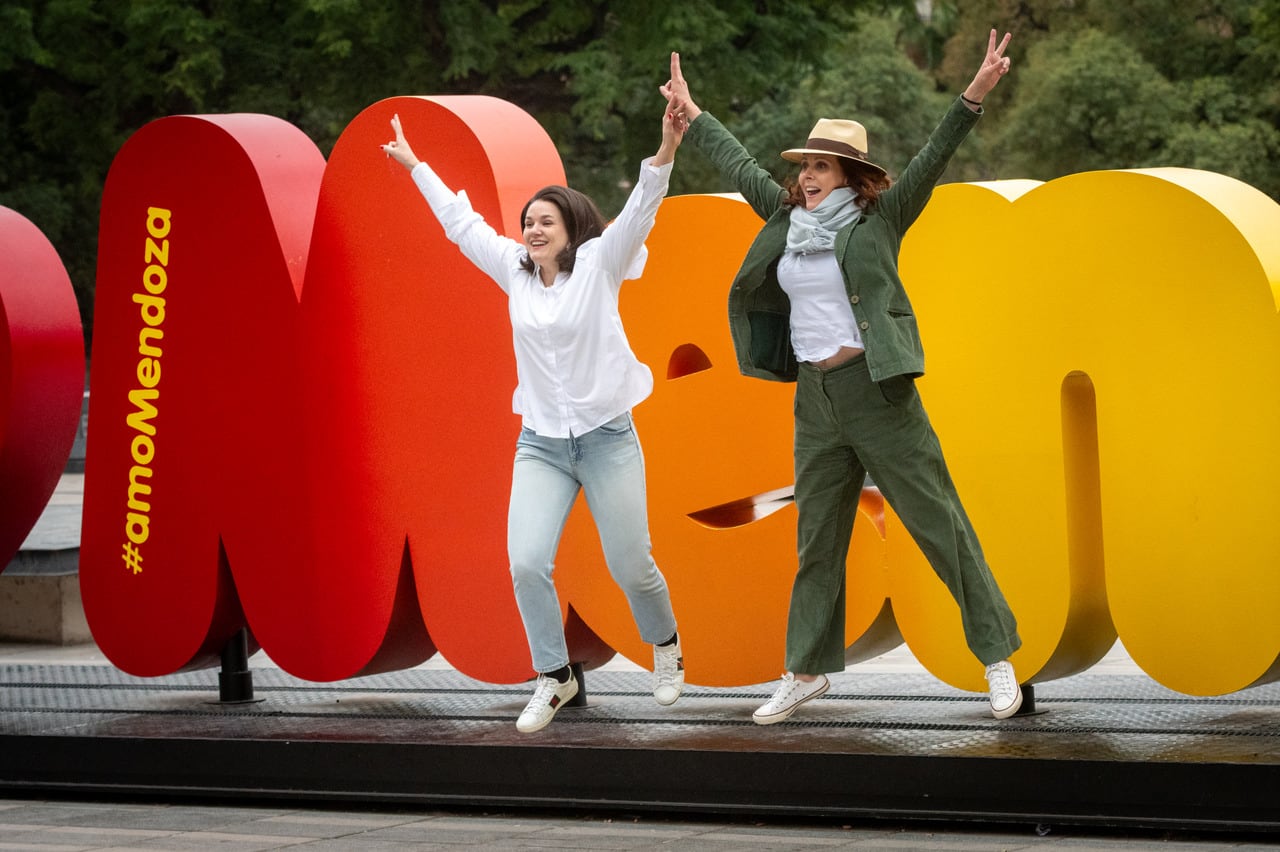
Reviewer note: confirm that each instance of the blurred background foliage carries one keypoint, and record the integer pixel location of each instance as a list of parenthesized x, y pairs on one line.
[(1097, 84)]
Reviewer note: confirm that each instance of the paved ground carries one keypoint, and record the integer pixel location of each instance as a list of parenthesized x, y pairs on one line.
[(46, 825), (61, 825), (41, 823)]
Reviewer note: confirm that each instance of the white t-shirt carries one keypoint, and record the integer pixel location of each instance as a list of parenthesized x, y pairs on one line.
[(574, 366), (821, 316)]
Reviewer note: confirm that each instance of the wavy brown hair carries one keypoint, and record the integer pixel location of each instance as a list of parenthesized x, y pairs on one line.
[(868, 183), (582, 221)]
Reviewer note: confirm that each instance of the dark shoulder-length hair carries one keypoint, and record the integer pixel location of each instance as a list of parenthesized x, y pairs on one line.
[(582, 221), (868, 183)]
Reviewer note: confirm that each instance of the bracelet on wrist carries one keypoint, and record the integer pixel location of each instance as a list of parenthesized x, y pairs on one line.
[(970, 101)]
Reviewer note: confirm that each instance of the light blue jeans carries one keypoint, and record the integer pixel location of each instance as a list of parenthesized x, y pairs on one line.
[(608, 465)]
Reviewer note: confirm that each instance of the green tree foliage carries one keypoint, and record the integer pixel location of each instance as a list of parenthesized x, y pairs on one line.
[(1096, 83), (80, 76), (868, 78), (1140, 83), (1088, 101)]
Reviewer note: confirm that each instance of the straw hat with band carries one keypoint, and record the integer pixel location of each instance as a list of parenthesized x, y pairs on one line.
[(836, 137)]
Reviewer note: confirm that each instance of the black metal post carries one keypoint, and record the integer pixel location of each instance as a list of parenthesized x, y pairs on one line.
[(235, 681), (1028, 707), (579, 700)]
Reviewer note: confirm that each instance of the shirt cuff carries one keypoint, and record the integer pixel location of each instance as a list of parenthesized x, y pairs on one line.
[(647, 163), (432, 188)]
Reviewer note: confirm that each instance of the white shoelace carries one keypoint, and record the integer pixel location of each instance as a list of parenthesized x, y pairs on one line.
[(667, 666), (545, 691), (1001, 682), (790, 684), (546, 686)]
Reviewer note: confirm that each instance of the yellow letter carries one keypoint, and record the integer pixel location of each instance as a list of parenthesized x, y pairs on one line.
[(1150, 296)]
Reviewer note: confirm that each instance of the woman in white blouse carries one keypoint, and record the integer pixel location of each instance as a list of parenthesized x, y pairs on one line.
[(577, 382)]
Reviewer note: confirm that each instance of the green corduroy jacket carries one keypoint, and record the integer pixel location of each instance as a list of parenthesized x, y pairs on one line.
[(867, 251)]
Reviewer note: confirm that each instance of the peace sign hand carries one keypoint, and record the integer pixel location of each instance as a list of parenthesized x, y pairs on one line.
[(994, 66), (398, 149)]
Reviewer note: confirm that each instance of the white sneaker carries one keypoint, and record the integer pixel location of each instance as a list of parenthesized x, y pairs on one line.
[(668, 672), (547, 699), (1002, 684), (791, 693)]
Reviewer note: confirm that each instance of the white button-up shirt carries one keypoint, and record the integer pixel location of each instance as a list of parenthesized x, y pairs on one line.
[(574, 366)]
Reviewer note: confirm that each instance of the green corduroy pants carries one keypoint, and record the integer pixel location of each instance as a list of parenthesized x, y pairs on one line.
[(847, 426)]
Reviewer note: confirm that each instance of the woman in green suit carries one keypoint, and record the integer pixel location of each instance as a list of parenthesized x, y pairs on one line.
[(818, 301)]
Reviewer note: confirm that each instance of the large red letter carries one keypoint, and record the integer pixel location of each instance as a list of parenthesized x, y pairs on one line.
[(192, 438), (327, 462), (41, 376)]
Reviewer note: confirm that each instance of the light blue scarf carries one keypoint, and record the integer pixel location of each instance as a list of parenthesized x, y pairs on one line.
[(815, 230)]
